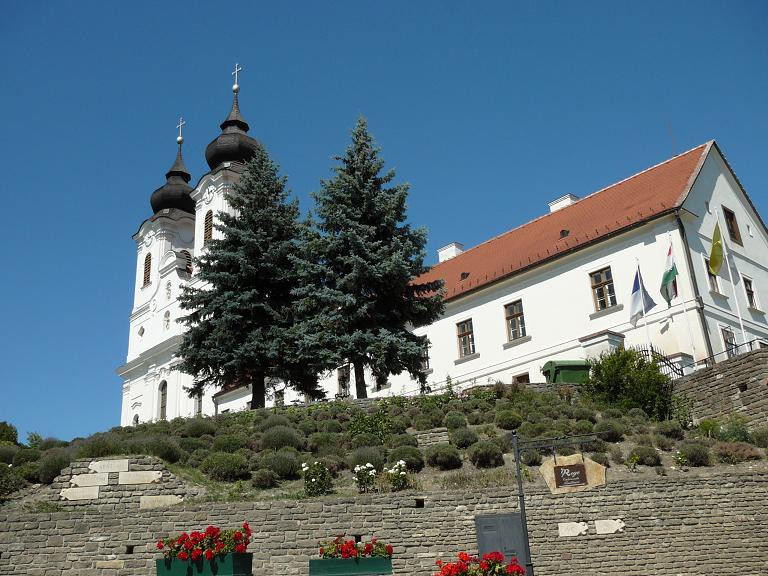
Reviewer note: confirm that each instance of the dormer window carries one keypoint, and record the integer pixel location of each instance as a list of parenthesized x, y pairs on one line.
[(208, 226), (147, 269)]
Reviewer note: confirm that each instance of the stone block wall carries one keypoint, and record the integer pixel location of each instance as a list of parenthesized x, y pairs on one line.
[(686, 525), (739, 384), (119, 484), (427, 438)]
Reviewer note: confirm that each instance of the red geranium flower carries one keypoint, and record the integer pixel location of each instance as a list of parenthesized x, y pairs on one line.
[(196, 553), (159, 544), (240, 548), (183, 555), (209, 554), (237, 535), (389, 549)]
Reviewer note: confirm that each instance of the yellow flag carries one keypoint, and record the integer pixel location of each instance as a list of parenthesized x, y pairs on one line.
[(716, 252)]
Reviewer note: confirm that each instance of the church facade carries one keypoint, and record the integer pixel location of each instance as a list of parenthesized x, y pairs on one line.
[(556, 288)]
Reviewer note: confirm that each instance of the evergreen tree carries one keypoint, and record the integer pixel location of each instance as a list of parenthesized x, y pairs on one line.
[(367, 258), (240, 318)]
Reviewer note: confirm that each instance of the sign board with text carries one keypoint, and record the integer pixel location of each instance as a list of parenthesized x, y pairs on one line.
[(572, 473)]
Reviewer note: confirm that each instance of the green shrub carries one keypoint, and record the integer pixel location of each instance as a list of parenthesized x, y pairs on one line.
[(475, 418), (317, 479), (275, 420), (443, 457), (50, 442), (264, 479), (403, 440), (760, 437), (582, 427), (52, 463), (279, 436), (10, 481), (307, 427), (422, 422), (398, 425), (508, 419), (624, 379), (645, 455), (694, 454), (334, 462), (735, 452), (230, 443), (30, 471), (365, 455), (454, 419), (530, 457), (190, 444), (601, 458), (331, 426), (226, 467), (617, 456), (670, 429), (594, 445), (414, 461), (610, 430), (8, 432), (613, 414), (663, 442), (642, 440), (7, 452), (504, 442), (196, 457), (463, 437), (197, 427), (283, 463), (25, 455), (486, 455), (376, 423), (325, 443), (735, 429), (581, 412), (99, 446), (638, 414), (165, 448), (365, 439), (530, 431)]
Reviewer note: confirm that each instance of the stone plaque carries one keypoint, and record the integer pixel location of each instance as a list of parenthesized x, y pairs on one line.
[(570, 475), (109, 465), (98, 479), (144, 477), (85, 493)]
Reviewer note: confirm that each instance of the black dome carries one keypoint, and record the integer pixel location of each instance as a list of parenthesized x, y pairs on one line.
[(233, 144), (175, 193)]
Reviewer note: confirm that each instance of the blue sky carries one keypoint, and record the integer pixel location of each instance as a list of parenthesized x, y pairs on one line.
[(488, 109)]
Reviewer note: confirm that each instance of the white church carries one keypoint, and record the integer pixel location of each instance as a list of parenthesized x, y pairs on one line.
[(557, 288)]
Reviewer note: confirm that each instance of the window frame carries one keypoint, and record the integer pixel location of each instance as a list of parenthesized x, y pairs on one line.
[(609, 295), (207, 226), (750, 293), (163, 390), (732, 225), (730, 346), (147, 278), (469, 335), (712, 280), (518, 317)]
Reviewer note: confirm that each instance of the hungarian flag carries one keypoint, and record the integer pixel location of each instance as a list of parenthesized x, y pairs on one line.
[(669, 279), (716, 252)]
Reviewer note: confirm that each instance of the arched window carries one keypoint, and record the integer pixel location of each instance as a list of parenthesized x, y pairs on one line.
[(188, 259), (163, 399), (147, 268), (135, 419), (208, 226)]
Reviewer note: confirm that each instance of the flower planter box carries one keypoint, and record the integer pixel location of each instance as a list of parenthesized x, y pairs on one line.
[(349, 566), (228, 565)]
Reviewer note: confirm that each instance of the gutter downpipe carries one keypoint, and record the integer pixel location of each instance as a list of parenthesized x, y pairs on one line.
[(697, 296)]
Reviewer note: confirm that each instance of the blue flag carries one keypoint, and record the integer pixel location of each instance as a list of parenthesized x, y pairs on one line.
[(640, 301)]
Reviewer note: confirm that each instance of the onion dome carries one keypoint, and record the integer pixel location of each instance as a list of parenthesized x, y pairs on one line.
[(233, 144), (175, 193)]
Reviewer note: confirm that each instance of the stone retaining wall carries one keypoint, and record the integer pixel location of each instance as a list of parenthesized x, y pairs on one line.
[(691, 525), (119, 484), (739, 384), (427, 438)]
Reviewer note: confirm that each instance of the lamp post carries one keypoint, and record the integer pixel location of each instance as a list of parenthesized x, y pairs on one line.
[(521, 502)]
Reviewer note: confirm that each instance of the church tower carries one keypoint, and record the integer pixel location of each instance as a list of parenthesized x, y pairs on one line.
[(152, 390)]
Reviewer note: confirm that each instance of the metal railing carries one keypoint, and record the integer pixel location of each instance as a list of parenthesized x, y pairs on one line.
[(666, 366)]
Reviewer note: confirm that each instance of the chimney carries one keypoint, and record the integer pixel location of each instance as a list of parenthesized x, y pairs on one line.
[(449, 251), (562, 202)]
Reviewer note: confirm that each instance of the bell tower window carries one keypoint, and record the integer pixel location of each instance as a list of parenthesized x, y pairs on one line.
[(208, 226), (163, 400), (188, 259), (147, 269)]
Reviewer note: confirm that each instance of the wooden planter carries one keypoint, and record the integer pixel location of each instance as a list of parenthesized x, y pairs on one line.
[(234, 564), (349, 566)]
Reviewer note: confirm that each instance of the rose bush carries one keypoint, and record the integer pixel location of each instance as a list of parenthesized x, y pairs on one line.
[(211, 542)]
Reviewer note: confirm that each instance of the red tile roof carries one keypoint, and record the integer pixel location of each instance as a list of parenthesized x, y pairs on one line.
[(642, 197)]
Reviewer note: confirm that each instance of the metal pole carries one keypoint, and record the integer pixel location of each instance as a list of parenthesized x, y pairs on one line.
[(521, 500)]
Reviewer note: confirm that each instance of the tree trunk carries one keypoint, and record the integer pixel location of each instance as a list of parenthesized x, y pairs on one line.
[(258, 390), (360, 390)]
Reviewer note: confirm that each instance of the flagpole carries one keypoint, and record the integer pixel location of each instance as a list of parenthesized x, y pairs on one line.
[(642, 298), (685, 310), (733, 286)]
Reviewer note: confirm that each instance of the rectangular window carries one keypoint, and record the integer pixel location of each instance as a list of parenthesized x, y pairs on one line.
[(729, 341), (466, 338), (732, 225), (342, 379), (712, 278), (515, 320), (521, 379), (425, 357), (750, 292), (602, 289)]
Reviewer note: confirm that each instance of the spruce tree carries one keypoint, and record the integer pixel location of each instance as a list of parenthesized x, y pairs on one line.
[(240, 316), (368, 257)]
